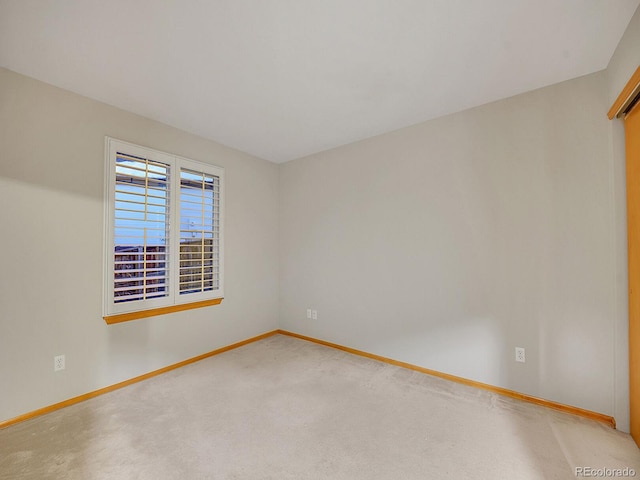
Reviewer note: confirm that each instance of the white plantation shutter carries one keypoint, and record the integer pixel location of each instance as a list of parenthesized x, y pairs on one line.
[(141, 229), (164, 230), (199, 232)]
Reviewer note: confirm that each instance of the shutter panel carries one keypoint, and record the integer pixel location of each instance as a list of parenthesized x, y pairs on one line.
[(141, 229), (199, 232)]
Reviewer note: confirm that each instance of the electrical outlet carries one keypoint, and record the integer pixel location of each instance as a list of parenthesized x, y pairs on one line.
[(309, 313), (520, 354), (314, 314), (58, 363)]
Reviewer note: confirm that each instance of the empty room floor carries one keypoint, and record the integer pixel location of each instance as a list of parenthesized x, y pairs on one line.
[(285, 408)]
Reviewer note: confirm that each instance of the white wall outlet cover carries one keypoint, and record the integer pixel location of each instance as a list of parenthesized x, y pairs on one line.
[(520, 355), (314, 314), (308, 313), (58, 363)]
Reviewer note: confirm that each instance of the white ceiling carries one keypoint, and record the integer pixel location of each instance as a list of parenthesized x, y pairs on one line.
[(282, 79)]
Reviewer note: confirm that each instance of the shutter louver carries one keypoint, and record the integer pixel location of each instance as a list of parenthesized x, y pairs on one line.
[(141, 229)]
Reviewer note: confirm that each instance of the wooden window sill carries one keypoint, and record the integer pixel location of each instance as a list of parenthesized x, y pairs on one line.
[(126, 317)]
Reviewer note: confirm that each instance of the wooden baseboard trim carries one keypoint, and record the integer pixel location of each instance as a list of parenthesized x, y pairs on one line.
[(599, 417), (499, 390), (111, 388)]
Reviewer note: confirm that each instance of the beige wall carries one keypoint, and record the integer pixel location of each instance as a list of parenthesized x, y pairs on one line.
[(51, 190), (449, 243)]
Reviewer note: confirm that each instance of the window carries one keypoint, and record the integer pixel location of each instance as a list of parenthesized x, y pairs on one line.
[(164, 233)]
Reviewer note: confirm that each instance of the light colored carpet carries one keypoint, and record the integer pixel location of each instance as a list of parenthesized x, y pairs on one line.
[(284, 408)]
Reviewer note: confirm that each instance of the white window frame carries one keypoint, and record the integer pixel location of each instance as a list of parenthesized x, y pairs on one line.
[(176, 163)]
